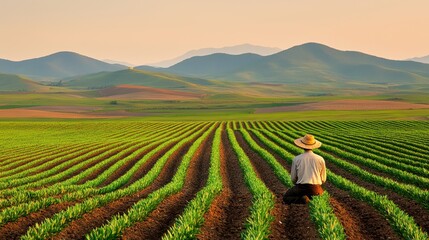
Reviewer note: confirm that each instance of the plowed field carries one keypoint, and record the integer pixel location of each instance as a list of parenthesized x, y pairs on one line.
[(124, 179)]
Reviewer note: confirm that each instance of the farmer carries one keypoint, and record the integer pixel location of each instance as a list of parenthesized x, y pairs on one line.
[(308, 172)]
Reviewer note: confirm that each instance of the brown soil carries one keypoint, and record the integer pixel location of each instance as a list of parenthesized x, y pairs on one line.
[(291, 221), (159, 221), (67, 109), (126, 166), (97, 172), (96, 218), (363, 219), (226, 217), (78, 148), (346, 104), (66, 159), (389, 175), (414, 209), (13, 230)]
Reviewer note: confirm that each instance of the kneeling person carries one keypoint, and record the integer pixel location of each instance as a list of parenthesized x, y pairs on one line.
[(308, 172)]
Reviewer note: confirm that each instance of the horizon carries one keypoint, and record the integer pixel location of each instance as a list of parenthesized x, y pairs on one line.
[(146, 33)]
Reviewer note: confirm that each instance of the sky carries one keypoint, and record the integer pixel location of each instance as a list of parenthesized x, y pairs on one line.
[(148, 31)]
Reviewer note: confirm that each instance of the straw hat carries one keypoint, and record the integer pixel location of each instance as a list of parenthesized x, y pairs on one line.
[(307, 142)]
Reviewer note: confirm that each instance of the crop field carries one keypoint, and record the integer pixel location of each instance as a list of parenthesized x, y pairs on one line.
[(129, 179)]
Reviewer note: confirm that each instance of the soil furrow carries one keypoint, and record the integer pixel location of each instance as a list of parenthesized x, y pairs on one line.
[(291, 221), (226, 217), (158, 222), (103, 168), (365, 224), (373, 224), (13, 230), (414, 209), (375, 171), (96, 218), (147, 166)]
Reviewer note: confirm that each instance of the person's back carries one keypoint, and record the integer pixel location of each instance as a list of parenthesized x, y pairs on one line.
[(308, 168), (308, 172)]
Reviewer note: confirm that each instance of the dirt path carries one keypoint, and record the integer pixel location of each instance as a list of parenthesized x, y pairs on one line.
[(227, 214), (292, 221), (163, 217), (96, 218)]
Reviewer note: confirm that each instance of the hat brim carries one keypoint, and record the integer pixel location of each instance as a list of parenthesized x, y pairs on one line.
[(298, 142)]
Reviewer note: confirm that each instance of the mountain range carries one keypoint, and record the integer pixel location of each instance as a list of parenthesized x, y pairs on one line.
[(310, 68)]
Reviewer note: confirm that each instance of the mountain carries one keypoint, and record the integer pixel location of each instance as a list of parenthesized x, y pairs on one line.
[(233, 50), (57, 65), (314, 63), (9, 82), (424, 59), (212, 65)]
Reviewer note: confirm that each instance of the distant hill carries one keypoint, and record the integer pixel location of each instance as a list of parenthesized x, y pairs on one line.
[(314, 63), (58, 65), (233, 50), (139, 78), (217, 64), (14, 83), (424, 59)]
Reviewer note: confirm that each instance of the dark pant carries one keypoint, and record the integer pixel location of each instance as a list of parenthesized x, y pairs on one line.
[(302, 193)]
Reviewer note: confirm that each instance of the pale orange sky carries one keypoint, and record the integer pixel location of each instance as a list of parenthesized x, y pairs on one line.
[(147, 31)]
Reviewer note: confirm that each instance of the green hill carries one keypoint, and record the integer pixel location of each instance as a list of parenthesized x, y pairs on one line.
[(58, 65), (139, 77), (312, 66), (319, 67), (16, 83), (209, 66)]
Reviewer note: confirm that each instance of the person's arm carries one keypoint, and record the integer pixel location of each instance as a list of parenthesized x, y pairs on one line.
[(293, 172), (323, 172)]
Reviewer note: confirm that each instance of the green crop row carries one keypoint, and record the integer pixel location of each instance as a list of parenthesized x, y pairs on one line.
[(187, 226), (259, 221), (85, 190), (321, 212), (365, 147), (406, 190), (56, 223), (399, 220), (140, 210)]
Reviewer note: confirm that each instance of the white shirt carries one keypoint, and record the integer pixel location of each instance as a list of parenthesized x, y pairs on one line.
[(308, 168)]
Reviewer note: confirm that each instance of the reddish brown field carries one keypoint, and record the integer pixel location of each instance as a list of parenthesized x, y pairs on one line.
[(346, 105)]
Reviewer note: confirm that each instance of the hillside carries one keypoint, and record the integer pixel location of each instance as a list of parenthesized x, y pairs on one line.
[(320, 66), (14, 83), (58, 65), (139, 78), (208, 66), (316, 63)]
